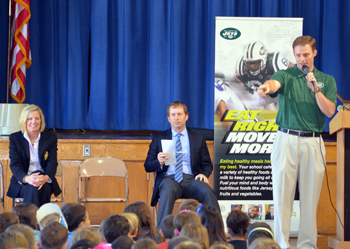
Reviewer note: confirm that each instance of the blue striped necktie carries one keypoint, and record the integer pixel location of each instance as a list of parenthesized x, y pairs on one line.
[(178, 152)]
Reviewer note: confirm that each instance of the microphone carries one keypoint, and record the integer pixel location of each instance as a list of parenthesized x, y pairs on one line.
[(306, 70)]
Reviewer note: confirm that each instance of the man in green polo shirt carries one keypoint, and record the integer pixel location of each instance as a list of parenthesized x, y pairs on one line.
[(298, 151)]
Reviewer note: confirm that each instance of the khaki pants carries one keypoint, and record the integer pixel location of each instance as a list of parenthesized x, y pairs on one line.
[(297, 158)]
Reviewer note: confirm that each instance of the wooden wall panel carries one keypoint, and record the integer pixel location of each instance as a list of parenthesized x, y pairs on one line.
[(133, 153)]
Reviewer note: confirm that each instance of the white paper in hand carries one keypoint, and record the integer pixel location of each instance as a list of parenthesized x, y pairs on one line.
[(168, 148)]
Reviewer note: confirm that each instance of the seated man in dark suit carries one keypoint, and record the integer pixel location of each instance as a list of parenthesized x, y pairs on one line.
[(188, 177)]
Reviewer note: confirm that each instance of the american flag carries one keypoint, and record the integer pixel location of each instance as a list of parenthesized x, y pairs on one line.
[(20, 51)]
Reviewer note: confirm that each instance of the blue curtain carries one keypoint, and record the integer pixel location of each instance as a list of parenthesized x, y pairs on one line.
[(4, 15), (116, 65)]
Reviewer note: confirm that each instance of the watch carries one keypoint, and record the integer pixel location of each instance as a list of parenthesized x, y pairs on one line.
[(318, 89)]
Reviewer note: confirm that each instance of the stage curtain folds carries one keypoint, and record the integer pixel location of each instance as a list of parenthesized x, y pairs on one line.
[(116, 65)]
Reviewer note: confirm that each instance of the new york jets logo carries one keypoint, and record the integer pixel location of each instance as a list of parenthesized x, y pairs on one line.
[(320, 84), (230, 33)]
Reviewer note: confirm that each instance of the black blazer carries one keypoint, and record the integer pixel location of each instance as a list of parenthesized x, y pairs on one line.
[(200, 158), (20, 156)]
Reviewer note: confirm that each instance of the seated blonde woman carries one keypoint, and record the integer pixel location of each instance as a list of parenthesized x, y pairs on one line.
[(33, 155)]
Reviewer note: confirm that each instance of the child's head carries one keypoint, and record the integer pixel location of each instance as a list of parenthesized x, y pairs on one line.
[(133, 222), (7, 219), (13, 239), (76, 217), (189, 204), (27, 214), (27, 231), (197, 232), (53, 236), (264, 243), (90, 233), (258, 230), (115, 226), (184, 218), (237, 223), (167, 226)]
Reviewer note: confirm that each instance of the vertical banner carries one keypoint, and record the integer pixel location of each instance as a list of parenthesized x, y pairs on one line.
[(248, 51)]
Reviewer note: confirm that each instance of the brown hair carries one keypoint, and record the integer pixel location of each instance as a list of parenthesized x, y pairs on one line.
[(264, 243), (177, 104), (197, 232), (27, 214), (258, 230), (238, 222), (147, 227), (12, 239), (145, 243), (189, 204), (221, 245), (89, 233), (190, 245), (304, 40), (28, 233), (211, 218), (182, 219), (53, 236), (7, 219)]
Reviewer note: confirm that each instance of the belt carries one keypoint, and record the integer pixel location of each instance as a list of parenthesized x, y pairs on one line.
[(300, 133)]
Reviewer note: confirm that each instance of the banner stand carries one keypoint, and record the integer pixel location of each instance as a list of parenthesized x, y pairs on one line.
[(9, 118)]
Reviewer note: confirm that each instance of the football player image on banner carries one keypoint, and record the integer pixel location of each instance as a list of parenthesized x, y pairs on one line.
[(248, 51)]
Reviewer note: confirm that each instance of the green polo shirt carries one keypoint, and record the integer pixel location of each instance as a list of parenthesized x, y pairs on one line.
[(297, 103)]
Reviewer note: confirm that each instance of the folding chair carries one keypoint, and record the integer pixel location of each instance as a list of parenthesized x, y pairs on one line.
[(103, 180)]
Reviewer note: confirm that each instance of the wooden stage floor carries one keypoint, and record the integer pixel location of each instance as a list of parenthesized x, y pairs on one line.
[(322, 242)]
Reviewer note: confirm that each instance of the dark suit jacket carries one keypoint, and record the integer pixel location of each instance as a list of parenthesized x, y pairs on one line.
[(200, 158), (268, 216), (20, 156)]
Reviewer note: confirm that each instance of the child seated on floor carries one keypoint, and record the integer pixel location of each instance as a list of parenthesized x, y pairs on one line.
[(166, 230)]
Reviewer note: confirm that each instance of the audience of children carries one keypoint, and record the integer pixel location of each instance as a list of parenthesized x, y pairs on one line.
[(69, 227)]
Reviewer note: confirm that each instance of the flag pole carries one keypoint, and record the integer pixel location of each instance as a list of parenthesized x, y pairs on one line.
[(8, 56)]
